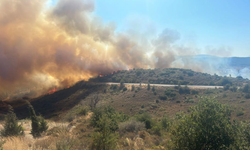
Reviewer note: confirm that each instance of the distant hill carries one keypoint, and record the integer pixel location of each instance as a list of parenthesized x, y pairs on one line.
[(224, 66), (169, 76)]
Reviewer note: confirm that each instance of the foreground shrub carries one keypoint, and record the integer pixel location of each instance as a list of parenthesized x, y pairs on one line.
[(147, 119), (1, 144), (110, 113), (104, 138), (165, 122), (11, 127), (208, 126), (131, 126), (38, 124)]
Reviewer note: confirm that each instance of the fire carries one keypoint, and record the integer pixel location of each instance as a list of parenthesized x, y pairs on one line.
[(52, 91), (100, 75)]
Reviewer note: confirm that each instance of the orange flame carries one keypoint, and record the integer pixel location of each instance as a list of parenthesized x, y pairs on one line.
[(52, 91), (100, 75)]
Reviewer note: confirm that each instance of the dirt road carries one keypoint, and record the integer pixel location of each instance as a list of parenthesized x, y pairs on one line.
[(169, 85)]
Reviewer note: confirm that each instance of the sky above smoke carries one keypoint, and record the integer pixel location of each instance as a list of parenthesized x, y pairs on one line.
[(44, 46)]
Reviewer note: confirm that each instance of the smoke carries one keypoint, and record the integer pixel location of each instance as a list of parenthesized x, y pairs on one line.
[(42, 47)]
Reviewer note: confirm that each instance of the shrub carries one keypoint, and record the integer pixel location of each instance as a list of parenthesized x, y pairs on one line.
[(246, 88), (122, 85), (184, 90), (11, 127), (194, 92), (1, 144), (148, 87), (163, 97), (165, 122), (147, 119), (156, 129), (131, 126), (133, 88), (124, 89), (38, 124), (113, 87), (240, 113), (225, 81), (247, 96), (153, 89), (233, 89), (109, 112), (226, 87), (104, 138), (208, 126)]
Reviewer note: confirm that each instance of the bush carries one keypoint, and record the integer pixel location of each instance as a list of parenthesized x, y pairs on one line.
[(38, 124), (208, 126), (147, 119), (163, 97), (156, 130), (247, 96), (184, 90), (240, 113), (113, 87), (104, 138), (124, 89), (131, 126), (233, 89), (133, 88), (165, 122), (110, 113), (194, 92), (11, 127), (246, 88), (153, 89), (226, 87), (148, 87), (1, 144)]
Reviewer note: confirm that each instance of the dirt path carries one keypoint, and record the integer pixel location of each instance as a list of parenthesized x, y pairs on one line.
[(169, 85)]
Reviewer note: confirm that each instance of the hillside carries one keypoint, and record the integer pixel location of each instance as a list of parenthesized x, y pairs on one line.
[(169, 76), (136, 111)]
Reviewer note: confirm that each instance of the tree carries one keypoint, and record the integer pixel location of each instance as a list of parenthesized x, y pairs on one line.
[(38, 124), (108, 112), (133, 88), (11, 127), (148, 86), (246, 88), (208, 126), (104, 138)]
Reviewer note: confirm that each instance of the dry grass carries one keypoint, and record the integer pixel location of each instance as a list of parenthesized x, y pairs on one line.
[(17, 143)]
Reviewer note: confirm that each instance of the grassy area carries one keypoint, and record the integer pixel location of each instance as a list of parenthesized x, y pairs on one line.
[(141, 117)]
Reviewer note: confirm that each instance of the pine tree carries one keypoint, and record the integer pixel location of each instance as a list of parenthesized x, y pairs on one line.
[(38, 124), (11, 127), (148, 86)]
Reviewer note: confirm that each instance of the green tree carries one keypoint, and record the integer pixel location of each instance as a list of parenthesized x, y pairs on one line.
[(38, 124), (104, 138), (11, 127), (148, 86), (208, 126), (133, 88), (1, 144), (110, 113)]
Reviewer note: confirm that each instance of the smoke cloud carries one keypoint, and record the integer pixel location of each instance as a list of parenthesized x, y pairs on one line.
[(43, 46)]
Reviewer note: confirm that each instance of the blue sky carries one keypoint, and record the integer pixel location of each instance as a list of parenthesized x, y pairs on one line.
[(204, 23)]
